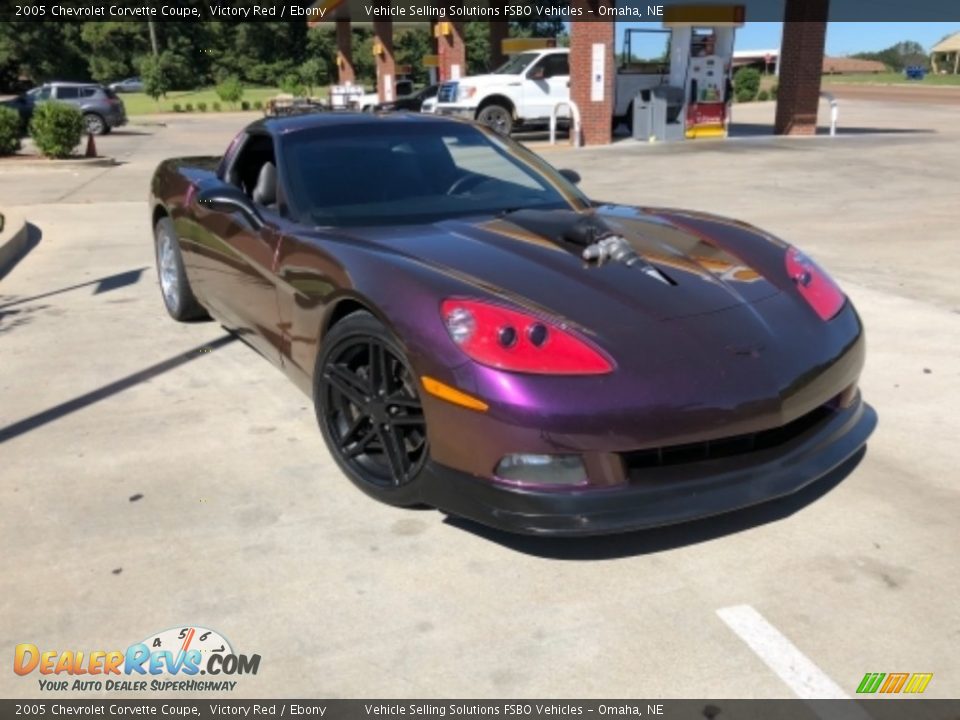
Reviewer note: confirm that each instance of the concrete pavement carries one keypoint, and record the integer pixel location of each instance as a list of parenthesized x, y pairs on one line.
[(156, 475)]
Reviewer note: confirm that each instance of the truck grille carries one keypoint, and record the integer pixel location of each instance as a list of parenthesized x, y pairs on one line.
[(639, 460), (447, 92)]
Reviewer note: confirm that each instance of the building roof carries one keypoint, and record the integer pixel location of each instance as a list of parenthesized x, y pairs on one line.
[(950, 44), (852, 65)]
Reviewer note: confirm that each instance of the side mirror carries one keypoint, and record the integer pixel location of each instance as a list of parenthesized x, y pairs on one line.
[(230, 199), (571, 175)]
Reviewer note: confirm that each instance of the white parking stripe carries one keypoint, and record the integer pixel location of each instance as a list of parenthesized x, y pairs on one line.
[(793, 667)]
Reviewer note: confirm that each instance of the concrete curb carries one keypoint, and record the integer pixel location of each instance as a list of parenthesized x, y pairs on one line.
[(13, 239), (32, 162)]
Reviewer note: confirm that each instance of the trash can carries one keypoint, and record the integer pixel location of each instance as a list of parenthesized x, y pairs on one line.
[(658, 114), (643, 116)]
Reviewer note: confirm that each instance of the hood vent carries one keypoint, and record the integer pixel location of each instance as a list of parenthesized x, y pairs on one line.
[(586, 235)]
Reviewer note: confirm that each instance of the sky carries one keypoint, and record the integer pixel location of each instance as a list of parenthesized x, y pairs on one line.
[(843, 38), (846, 38)]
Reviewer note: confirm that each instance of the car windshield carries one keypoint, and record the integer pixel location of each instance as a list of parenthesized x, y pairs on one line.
[(388, 173), (517, 64)]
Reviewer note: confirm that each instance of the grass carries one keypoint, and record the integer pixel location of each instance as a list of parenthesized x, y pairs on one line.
[(890, 78), (142, 104)]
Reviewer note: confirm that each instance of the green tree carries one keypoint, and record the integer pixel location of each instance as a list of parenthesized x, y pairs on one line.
[(41, 51), (899, 55), (409, 46), (313, 73), (230, 90), (154, 76), (113, 48)]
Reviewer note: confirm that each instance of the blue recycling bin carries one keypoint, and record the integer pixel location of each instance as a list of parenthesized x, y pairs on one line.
[(915, 72)]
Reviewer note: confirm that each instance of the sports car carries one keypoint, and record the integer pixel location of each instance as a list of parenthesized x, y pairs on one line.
[(479, 336)]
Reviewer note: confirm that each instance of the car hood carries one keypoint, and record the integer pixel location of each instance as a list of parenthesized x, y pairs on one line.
[(707, 264), (488, 80)]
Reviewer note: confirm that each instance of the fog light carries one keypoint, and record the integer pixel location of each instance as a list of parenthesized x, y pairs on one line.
[(542, 469)]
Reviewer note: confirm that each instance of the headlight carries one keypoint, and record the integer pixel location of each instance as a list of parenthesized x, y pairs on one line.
[(465, 92), (513, 340), (816, 287)]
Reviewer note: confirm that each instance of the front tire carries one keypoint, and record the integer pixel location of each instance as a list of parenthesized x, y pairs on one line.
[(175, 288), (368, 406), (497, 117)]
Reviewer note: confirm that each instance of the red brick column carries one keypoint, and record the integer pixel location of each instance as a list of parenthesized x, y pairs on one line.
[(451, 49), (383, 33), (801, 65), (597, 115), (499, 31), (345, 53)]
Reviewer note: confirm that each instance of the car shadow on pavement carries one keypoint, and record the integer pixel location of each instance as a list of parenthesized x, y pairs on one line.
[(102, 393), (654, 540), (34, 236)]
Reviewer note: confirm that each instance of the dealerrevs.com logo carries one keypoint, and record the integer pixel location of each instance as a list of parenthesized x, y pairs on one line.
[(167, 661)]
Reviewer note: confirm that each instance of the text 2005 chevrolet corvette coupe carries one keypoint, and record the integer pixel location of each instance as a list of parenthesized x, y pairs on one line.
[(477, 335)]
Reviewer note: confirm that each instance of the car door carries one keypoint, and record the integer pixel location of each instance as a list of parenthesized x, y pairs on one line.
[(68, 94), (546, 83), (233, 261)]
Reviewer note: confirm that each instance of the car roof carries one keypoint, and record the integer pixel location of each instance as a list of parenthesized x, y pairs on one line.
[(71, 83), (297, 123)]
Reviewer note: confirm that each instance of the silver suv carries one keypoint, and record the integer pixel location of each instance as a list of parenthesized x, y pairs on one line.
[(102, 109)]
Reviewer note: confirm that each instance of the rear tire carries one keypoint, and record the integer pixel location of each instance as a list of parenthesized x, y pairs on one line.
[(497, 117), (175, 289), (367, 401), (94, 124)]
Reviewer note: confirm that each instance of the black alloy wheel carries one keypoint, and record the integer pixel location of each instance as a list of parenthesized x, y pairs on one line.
[(369, 409)]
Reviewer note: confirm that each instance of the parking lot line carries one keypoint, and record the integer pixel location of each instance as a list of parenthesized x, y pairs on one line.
[(798, 671)]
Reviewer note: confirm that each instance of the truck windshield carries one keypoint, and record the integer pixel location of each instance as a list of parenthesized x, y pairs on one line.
[(517, 64), (391, 173)]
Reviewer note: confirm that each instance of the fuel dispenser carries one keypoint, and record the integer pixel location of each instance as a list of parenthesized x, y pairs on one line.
[(690, 95)]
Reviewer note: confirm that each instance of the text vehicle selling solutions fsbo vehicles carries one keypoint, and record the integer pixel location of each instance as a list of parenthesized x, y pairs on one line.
[(479, 336)]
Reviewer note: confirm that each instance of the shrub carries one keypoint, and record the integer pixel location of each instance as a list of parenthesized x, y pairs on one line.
[(188, 107), (177, 107), (202, 106), (230, 90), (216, 107), (9, 131), (773, 92), (56, 128), (763, 96), (746, 84), (244, 105), (258, 105)]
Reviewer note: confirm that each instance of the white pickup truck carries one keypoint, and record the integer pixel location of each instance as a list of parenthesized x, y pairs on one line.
[(526, 88), (523, 91)]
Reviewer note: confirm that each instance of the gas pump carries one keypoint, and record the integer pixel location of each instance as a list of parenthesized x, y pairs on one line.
[(675, 83), (701, 56)]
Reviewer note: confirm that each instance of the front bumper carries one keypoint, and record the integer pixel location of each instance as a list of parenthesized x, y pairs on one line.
[(667, 495), (456, 111)]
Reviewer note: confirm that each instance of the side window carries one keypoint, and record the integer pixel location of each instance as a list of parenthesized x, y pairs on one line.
[(43, 94), (250, 173), (87, 92), (556, 65), (68, 93)]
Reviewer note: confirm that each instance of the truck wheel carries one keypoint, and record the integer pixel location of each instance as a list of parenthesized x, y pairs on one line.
[(497, 117)]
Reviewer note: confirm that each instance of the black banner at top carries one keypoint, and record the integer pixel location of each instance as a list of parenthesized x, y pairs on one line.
[(414, 11)]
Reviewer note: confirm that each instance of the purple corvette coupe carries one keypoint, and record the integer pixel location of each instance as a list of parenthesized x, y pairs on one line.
[(479, 336)]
